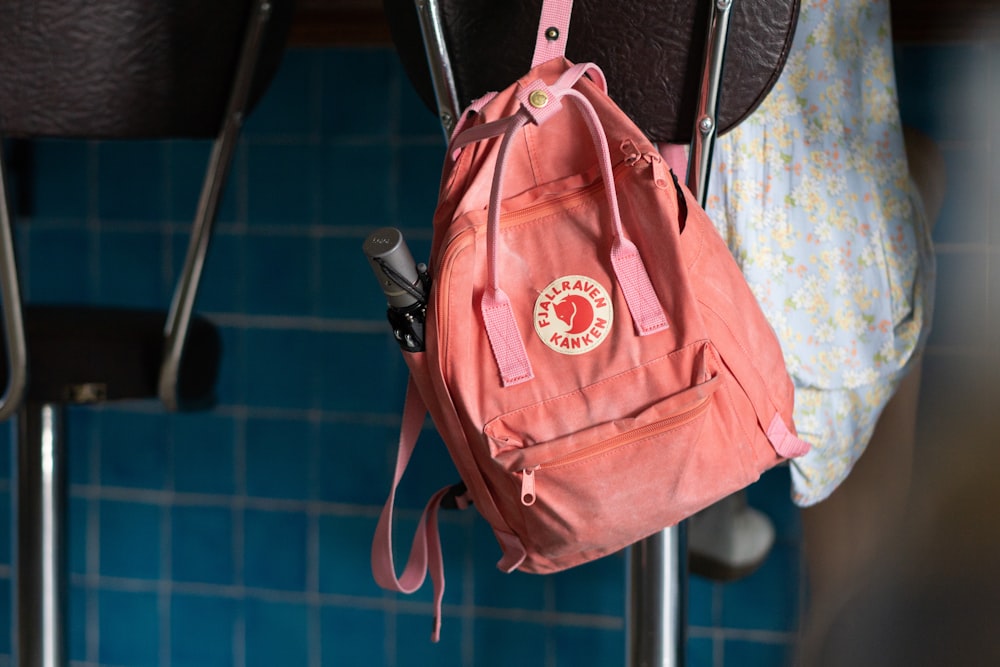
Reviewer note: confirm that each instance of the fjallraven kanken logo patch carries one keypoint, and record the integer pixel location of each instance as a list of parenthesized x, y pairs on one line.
[(573, 314)]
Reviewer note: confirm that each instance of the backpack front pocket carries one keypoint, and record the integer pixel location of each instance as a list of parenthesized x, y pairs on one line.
[(601, 465)]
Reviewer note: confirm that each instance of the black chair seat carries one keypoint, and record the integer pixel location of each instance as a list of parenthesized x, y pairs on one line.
[(85, 355)]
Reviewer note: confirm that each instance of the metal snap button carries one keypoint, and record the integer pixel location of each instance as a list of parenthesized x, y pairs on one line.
[(538, 99)]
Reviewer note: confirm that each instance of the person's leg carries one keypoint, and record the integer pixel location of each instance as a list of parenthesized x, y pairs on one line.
[(843, 534), (927, 168), (729, 540)]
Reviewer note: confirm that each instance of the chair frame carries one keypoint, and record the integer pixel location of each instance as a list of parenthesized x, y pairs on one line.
[(41, 575)]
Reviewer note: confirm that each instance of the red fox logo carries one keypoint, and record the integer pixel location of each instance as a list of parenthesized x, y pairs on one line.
[(573, 314), (576, 312)]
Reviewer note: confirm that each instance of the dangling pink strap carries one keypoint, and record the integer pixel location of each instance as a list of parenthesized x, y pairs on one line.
[(553, 30), (425, 552)]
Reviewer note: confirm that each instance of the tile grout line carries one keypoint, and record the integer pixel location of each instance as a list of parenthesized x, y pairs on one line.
[(239, 532), (164, 597), (92, 565)]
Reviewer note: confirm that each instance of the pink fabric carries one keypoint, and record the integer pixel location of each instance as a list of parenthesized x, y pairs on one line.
[(555, 14), (676, 157), (624, 230), (550, 105), (513, 552), (496, 196), (425, 551), (784, 441), (644, 306), (505, 338), (470, 111), (647, 314)]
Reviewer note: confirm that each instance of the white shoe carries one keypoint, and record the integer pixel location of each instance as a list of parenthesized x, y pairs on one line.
[(729, 540)]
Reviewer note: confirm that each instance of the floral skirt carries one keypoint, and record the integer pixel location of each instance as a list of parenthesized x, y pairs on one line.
[(813, 195)]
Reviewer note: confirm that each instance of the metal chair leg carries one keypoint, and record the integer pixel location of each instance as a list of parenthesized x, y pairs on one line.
[(186, 290), (14, 345), (41, 587), (439, 61), (656, 601)]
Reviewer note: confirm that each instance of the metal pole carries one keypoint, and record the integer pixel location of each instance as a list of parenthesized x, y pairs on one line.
[(439, 61), (656, 615), (706, 117), (41, 545), (15, 346), (182, 304), (656, 618)]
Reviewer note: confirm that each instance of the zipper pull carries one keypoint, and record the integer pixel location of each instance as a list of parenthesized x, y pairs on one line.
[(660, 176), (634, 156), (528, 486), (631, 151)]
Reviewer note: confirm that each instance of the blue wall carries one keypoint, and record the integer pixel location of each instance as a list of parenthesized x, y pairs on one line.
[(240, 537)]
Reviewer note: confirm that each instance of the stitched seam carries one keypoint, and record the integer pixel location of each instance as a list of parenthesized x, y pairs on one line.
[(635, 369)]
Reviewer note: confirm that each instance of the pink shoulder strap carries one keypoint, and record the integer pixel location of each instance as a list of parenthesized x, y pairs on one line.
[(425, 552), (785, 442), (553, 30)]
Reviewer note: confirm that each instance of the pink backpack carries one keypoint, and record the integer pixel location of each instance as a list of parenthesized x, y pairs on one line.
[(595, 362)]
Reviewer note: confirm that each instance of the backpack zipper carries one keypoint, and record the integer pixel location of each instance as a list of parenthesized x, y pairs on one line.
[(558, 203), (528, 495), (634, 158)]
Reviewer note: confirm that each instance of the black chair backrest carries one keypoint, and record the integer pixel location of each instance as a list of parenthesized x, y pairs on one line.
[(126, 68), (650, 50)]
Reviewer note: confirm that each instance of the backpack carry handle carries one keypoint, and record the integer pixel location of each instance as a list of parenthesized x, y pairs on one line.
[(538, 103)]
